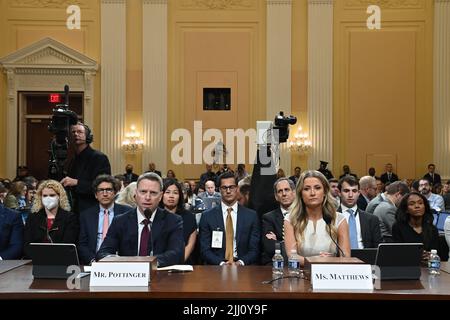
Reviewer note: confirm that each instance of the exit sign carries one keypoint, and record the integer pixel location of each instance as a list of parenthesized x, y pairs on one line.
[(54, 98)]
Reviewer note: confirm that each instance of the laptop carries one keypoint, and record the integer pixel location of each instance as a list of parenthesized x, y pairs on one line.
[(398, 261), (441, 220), (50, 260), (366, 255)]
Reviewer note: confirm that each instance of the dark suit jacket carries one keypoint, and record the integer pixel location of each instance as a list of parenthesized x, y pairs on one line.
[(294, 179), (130, 178), (370, 229), (362, 202), (436, 180), (11, 234), (272, 222), (89, 228), (85, 167), (247, 236), (65, 229), (166, 236), (384, 178)]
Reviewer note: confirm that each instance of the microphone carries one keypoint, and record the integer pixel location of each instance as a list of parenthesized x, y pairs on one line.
[(66, 94), (327, 220), (148, 214)]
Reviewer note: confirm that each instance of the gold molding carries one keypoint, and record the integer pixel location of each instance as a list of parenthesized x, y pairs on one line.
[(218, 4), (47, 3), (385, 4)]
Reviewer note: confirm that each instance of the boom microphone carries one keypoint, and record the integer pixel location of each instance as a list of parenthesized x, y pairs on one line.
[(327, 220)]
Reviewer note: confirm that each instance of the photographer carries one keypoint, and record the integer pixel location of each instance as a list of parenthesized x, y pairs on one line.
[(84, 168)]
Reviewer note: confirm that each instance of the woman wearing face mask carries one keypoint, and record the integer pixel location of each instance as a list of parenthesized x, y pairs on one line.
[(50, 219)]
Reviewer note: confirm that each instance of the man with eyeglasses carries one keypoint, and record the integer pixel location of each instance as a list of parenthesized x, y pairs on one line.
[(95, 221), (229, 233), (273, 221), (147, 230)]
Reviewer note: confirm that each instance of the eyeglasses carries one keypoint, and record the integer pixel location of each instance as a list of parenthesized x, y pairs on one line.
[(107, 190), (226, 188)]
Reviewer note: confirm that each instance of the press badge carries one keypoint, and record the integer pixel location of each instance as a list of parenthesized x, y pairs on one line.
[(217, 237)]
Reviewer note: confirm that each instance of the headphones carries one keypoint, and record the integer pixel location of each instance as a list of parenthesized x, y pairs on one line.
[(88, 133)]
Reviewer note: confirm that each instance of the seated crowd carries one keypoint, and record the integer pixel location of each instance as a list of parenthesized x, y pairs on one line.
[(210, 222)]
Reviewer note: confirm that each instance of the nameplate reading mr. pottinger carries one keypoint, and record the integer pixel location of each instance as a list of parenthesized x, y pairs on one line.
[(341, 277), (122, 274)]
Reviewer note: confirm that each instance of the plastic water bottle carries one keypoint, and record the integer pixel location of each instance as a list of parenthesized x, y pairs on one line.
[(434, 263), (277, 261), (294, 263)]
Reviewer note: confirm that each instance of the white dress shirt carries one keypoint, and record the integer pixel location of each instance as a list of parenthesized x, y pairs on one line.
[(358, 223), (141, 217), (234, 219)]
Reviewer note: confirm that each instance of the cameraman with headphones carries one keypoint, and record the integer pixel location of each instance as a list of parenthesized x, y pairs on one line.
[(84, 168)]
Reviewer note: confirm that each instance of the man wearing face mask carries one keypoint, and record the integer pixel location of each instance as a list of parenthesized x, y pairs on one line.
[(50, 220), (129, 175)]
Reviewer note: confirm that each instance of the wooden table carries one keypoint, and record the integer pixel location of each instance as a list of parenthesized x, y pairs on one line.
[(214, 282)]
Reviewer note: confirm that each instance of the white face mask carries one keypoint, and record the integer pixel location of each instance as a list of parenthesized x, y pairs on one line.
[(50, 202)]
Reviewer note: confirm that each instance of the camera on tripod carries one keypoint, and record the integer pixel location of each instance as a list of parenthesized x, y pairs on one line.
[(62, 120), (282, 125), (276, 132)]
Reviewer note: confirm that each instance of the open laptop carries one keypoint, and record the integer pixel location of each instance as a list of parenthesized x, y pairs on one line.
[(50, 260), (366, 255), (399, 260)]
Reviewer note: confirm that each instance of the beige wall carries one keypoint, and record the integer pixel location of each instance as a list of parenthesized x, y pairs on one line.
[(212, 47), (383, 88), (382, 79)]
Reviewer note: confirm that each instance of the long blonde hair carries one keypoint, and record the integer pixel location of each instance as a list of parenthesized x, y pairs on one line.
[(55, 186), (126, 196), (298, 216)]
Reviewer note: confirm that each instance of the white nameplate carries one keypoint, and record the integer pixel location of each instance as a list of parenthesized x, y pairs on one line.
[(119, 274), (341, 277)]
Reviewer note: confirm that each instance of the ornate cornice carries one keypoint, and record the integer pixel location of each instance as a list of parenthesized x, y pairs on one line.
[(388, 4), (34, 58), (44, 71), (164, 2), (218, 4), (48, 3), (329, 2)]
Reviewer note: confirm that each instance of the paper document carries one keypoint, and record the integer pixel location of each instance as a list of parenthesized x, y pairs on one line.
[(177, 268)]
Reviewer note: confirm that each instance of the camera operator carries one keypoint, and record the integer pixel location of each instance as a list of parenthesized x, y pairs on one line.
[(87, 164)]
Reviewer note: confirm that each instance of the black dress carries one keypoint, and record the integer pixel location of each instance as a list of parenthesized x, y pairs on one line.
[(404, 233), (189, 226)]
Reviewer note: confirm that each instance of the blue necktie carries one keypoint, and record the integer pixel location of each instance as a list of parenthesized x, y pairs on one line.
[(352, 230)]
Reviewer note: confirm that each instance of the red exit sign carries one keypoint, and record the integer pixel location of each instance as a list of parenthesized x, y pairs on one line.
[(54, 98)]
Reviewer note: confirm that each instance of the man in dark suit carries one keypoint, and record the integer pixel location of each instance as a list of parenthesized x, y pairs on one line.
[(388, 176), (431, 176), (273, 221), (367, 191), (296, 175), (146, 230), (95, 221), (323, 169), (230, 233), (152, 168), (364, 228), (11, 234), (84, 168), (129, 175)]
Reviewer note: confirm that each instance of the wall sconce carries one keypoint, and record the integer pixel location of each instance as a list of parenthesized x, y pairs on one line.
[(300, 143), (132, 142)]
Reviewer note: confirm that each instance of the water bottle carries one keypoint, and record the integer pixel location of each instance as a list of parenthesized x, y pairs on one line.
[(434, 263), (277, 261), (294, 263)]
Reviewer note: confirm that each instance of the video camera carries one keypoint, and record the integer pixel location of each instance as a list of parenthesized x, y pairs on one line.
[(60, 124), (281, 123)]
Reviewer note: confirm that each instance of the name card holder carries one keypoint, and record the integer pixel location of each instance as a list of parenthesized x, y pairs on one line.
[(111, 274)]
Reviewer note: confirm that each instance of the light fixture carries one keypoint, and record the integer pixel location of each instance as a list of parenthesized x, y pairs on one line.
[(132, 142), (300, 143)]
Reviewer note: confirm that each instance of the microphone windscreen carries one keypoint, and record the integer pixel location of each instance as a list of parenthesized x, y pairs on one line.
[(147, 213), (327, 219)]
